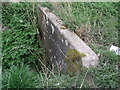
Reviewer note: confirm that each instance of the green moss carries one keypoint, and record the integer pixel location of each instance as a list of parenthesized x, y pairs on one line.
[(73, 61), (74, 55)]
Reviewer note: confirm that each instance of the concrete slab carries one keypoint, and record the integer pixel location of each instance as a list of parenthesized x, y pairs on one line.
[(59, 40)]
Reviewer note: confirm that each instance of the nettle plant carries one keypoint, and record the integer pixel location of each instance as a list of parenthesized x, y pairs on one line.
[(19, 41)]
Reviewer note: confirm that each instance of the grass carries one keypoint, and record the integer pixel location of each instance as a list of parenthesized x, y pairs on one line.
[(98, 19), (22, 49), (0, 52), (99, 23), (19, 77), (22, 46)]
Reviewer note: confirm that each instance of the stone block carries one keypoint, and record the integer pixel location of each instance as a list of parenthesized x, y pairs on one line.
[(59, 40)]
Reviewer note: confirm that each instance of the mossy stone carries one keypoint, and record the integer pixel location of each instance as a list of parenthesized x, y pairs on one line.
[(73, 61)]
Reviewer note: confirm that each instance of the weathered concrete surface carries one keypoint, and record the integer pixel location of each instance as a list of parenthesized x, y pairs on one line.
[(58, 39)]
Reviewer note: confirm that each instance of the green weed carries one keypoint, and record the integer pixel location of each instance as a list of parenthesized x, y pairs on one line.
[(20, 42), (19, 77)]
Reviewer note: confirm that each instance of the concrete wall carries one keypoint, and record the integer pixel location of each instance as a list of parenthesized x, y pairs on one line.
[(58, 40)]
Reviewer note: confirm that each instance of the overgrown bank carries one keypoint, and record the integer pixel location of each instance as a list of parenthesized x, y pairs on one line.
[(20, 45), (97, 24), (21, 49)]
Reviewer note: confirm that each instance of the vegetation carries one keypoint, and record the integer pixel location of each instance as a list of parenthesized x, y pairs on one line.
[(22, 51), (19, 77), (73, 60), (22, 44), (98, 24)]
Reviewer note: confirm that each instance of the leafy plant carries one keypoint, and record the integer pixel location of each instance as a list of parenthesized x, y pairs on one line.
[(19, 77), (20, 42)]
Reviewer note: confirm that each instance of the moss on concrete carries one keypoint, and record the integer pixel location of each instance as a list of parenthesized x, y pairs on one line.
[(73, 61)]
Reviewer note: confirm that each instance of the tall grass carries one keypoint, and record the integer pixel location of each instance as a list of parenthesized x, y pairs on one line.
[(98, 19)]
